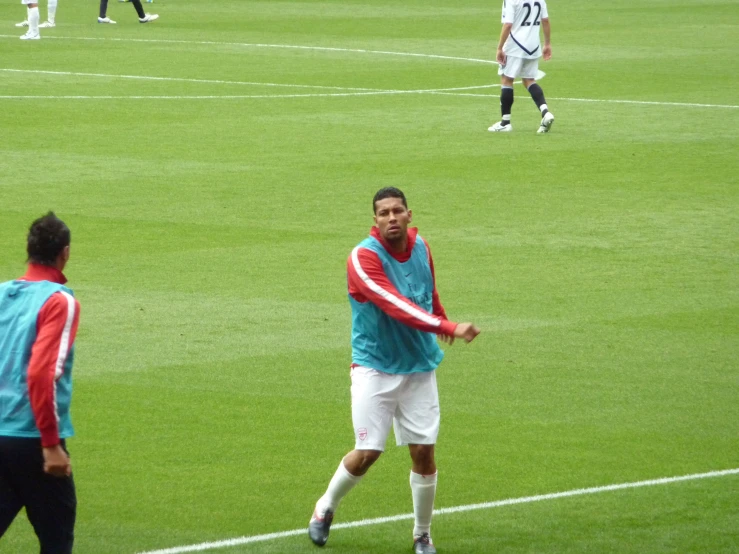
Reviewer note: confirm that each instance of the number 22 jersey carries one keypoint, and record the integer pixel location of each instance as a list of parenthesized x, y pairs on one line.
[(525, 17)]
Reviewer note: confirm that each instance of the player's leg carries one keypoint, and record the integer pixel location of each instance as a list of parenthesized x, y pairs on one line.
[(51, 502), (139, 8), (143, 16), (33, 19), (417, 425), (528, 76), (103, 14), (507, 73), (10, 502), (373, 404), (50, 15)]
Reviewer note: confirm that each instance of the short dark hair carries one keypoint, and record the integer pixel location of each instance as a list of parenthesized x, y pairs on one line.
[(47, 237), (388, 192)]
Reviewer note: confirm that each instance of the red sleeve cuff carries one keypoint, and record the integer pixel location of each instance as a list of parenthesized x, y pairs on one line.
[(447, 327), (48, 440)]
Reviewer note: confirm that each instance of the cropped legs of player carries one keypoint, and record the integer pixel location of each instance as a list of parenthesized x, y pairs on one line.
[(143, 16), (32, 19), (518, 54), (50, 19)]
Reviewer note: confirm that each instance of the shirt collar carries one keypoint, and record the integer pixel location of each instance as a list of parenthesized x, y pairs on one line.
[(38, 272), (403, 256)]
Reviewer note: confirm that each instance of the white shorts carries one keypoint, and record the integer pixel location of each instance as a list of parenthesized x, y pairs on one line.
[(410, 402), (519, 67)]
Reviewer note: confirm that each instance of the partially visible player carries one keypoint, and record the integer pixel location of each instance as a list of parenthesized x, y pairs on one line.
[(519, 50), (396, 319), (39, 317), (50, 16), (143, 16)]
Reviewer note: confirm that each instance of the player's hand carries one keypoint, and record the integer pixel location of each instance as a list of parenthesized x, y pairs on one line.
[(547, 52), (449, 339), (466, 331), (500, 56), (57, 462)]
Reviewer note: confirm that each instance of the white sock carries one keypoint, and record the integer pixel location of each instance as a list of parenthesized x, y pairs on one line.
[(52, 10), (341, 483), (423, 489), (543, 107), (33, 20)]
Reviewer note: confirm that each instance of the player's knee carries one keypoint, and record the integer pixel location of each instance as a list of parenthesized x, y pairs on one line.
[(366, 458), (422, 455)]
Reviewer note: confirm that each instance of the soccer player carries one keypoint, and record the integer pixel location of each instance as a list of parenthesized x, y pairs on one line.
[(519, 50), (38, 324), (143, 16), (50, 20), (396, 316)]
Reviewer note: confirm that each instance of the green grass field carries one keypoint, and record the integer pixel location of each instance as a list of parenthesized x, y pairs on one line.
[(212, 218)]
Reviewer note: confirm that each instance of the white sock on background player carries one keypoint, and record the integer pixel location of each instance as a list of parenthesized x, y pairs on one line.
[(33, 18), (52, 11), (341, 483), (423, 489)]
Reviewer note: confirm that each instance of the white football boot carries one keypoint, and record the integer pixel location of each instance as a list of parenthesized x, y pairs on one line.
[(47, 25), (22, 24), (546, 123), (148, 17), (500, 128), (30, 36), (106, 20)]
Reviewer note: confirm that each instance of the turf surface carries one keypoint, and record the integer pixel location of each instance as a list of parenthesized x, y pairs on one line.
[(210, 237)]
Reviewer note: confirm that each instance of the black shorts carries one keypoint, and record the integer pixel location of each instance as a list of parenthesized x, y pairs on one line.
[(50, 502)]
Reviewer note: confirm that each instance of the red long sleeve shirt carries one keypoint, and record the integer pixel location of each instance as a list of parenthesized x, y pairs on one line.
[(56, 330), (387, 298)]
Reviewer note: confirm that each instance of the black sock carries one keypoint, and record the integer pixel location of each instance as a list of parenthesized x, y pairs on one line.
[(139, 8), (103, 7), (538, 95), (506, 102)]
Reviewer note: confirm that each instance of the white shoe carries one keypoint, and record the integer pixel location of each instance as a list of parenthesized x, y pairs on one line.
[(30, 36), (106, 20), (148, 17), (22, 24), (500, 128), (47, 25), (546, 123)]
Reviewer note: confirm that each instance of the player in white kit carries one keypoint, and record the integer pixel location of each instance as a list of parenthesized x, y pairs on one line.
[(519, 50)]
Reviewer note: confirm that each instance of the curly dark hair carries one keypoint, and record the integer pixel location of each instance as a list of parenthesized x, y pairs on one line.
[(47, 237), (388, 192)]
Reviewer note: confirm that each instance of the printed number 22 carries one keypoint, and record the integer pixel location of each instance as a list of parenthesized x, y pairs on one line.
[(537, 18)]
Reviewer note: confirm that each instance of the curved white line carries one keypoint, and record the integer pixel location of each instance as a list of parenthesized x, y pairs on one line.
[(285, 46), (217, 81), (177, 79), (483, 506)]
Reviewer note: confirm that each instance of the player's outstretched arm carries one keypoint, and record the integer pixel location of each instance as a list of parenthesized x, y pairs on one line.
[(368, 283)]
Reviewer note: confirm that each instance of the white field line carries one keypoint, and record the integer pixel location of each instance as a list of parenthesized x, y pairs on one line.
[(456, 509), (648, 103), (177, 79), (444, 92), (607, 101), (362, 91), (284, 46)]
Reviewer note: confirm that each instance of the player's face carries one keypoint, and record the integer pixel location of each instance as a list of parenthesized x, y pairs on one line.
[(392, 219)]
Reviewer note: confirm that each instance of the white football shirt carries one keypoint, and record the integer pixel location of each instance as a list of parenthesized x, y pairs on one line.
[(525, 16)]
